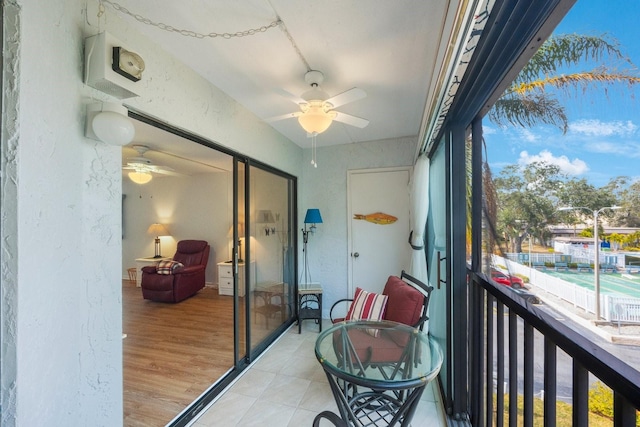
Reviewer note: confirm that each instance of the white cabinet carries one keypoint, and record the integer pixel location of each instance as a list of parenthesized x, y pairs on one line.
[(225, 278)]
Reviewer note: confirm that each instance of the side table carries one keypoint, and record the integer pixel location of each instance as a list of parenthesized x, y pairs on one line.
[(309, 304), (267, 291)]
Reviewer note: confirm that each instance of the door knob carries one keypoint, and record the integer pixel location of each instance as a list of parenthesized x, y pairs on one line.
[(356, 254)]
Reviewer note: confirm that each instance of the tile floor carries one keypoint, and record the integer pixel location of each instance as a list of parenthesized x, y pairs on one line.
[(286, 387)]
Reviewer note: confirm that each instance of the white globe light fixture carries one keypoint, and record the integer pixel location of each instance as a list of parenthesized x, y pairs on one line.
[(108, 122)]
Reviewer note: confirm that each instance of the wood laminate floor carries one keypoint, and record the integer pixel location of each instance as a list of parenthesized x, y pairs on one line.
[(173, 352)]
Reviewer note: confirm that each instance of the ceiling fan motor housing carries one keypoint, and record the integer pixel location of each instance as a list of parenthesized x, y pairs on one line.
[(315, 79)]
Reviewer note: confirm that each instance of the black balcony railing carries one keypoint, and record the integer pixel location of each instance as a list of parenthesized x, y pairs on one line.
[(502, 345)]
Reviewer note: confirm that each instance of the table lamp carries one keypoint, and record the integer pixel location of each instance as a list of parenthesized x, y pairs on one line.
[(157, 230)]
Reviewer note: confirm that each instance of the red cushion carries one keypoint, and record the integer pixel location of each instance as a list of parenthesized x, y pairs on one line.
[(405, 302), (374, 350)]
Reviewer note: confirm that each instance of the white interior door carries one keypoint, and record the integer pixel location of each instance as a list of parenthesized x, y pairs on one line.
[(378, 247)]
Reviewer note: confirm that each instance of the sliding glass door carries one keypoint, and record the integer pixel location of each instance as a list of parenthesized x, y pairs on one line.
[(446, 254), (177, 356), (270, 251), (439, 307)]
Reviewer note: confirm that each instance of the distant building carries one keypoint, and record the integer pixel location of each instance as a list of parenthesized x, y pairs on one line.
[(565, 240), (573, 232)]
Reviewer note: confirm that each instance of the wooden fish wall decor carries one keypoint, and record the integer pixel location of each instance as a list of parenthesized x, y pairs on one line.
[(377, 218)]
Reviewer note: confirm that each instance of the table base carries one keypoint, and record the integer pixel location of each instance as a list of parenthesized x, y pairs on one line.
[(367, 407)]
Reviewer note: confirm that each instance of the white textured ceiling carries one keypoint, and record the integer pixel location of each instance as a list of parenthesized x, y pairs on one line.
[(388, 48)]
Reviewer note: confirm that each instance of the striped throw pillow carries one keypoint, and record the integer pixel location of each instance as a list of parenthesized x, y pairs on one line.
[(367, 306)]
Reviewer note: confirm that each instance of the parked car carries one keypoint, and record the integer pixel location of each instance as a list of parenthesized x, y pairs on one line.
[(516, 284), (507, 280)]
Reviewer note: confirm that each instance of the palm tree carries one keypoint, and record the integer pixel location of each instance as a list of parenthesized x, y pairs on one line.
[(527, 102)]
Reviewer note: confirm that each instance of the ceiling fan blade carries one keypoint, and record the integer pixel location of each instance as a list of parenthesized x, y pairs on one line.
[(283, 116), (351, 120), (165, 171), (146, 167), (138, 161), (291, 97), (346, 97)]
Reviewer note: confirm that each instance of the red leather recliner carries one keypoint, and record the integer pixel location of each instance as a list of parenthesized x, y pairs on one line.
[(183, 282)]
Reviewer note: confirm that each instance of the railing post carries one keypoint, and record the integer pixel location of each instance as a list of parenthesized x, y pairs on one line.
[(489, 362), (476, 350), (550, 386), (580, 395), (500, 364), (623, 413), (528, 375), (513, 369)]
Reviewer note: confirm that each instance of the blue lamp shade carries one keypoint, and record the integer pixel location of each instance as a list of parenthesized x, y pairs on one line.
[(313, 217)]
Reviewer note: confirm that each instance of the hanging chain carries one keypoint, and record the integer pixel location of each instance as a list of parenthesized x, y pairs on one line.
[(187, 33), (293, 44)]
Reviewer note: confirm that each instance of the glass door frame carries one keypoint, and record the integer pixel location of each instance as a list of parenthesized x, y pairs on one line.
[(240, 362)]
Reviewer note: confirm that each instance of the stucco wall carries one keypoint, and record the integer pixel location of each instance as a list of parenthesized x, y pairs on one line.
[(325, 188), (61, 204)]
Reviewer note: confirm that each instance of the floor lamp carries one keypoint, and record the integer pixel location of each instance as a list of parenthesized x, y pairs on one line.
[(312, 217)]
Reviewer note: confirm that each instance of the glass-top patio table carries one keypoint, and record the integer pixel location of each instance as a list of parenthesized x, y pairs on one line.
[(377, 371)]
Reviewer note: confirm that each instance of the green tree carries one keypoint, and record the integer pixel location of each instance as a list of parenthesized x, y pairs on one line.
[(529, 100), (587, 232), (627, 193), (633, 239), (617, 239), (527, 200), (579, 193)]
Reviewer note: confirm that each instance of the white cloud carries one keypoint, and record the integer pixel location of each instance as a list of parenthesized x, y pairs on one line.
[(598, 128), (528, 136), (570, 167), (605, 147), (488, 130), (621, 148)]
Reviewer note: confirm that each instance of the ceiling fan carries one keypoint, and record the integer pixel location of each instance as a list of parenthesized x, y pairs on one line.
[(317, 108), (141, 167)]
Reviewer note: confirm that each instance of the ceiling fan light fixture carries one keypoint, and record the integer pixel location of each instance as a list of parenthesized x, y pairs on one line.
[(140, 177), (315, 119)]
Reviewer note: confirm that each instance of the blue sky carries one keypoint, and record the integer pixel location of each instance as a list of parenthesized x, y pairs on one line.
[(603, 140)]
